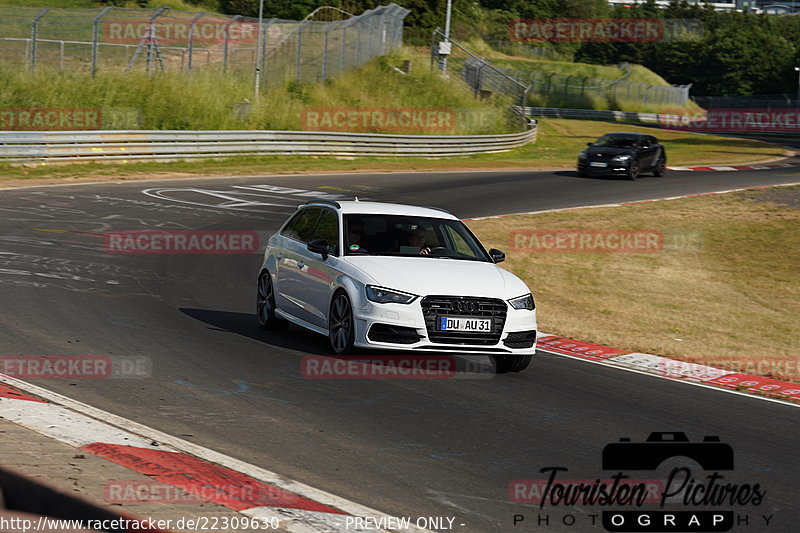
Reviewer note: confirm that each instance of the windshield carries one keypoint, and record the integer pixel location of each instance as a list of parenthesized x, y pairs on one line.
[(617, 141), (395, 235)]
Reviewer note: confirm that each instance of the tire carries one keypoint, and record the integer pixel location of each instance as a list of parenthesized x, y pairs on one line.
[(633, 170), (582, 174), (341, 327), (510, 363), (661, 167), (265, 305)]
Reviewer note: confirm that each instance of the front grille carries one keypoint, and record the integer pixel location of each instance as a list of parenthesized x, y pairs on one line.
[(394, 334), (520, 339), (436, 306)]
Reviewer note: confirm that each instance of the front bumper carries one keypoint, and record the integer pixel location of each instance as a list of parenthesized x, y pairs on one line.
[(404, 328), (611, 169)]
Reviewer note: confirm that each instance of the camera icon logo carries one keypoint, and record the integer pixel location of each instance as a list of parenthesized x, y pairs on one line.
[(711, 454)]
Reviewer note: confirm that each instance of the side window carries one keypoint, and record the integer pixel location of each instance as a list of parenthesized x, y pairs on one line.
[(458, 236), (459, 242), (287, 229), (307, 219), (328, 229)]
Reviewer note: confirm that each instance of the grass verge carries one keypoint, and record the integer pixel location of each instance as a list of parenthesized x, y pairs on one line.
[(208, 99), (722, 291), (558, 145)]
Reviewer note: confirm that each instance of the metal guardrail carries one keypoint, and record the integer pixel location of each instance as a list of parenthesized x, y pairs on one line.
[(760, 122), (591, 114), (167, 145)]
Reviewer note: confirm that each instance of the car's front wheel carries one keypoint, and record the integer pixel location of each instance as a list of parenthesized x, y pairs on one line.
[(510, 363), (265, 305), (661, 167), (341, 328), (633, 170)]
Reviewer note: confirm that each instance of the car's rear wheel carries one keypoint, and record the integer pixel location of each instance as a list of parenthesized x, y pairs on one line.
[(341, 328), (265, 305), (661, 167), (511, 363), (633, 170)]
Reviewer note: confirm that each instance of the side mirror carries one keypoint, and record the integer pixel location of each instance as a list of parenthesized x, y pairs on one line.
[(589, 144), (319, 246), (496, 255)]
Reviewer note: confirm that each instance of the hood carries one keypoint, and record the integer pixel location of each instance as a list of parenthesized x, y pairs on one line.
[(426, 275), (608, 151)]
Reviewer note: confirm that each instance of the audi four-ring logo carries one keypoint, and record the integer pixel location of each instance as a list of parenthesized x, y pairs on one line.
[(465, 306)]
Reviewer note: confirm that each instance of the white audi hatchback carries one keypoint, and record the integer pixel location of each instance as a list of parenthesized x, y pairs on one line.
[(394, 277)]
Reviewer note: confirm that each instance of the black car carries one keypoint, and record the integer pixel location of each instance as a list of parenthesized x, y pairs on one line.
[(624, 154)]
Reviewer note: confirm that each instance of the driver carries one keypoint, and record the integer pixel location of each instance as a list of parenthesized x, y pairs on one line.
[(417, 239)]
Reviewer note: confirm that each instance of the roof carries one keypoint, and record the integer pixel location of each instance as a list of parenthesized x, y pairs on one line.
[(384, 208), (628, 133)]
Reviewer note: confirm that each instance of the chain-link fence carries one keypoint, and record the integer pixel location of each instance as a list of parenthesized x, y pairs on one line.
[(327, 42), (522, 49), (318, 49), (552, 89), (620, 90), (558, 88), (506, 90)]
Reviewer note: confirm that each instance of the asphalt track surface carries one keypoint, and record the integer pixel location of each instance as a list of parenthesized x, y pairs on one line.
[(405, 447)]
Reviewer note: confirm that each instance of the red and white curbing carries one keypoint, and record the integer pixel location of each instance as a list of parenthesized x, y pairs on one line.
[(783, 391), (166, 459), (728, 168)]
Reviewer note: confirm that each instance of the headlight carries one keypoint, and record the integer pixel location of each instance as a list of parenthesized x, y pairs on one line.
[(382, 295), (621, 158), (582, 155), (523, 302)]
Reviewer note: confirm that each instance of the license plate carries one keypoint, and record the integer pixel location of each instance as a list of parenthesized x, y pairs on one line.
[(597, 164), (450, 323)]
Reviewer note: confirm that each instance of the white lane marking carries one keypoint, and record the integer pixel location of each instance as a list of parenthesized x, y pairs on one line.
[(68, 426), (153, 435), (218, 199)]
